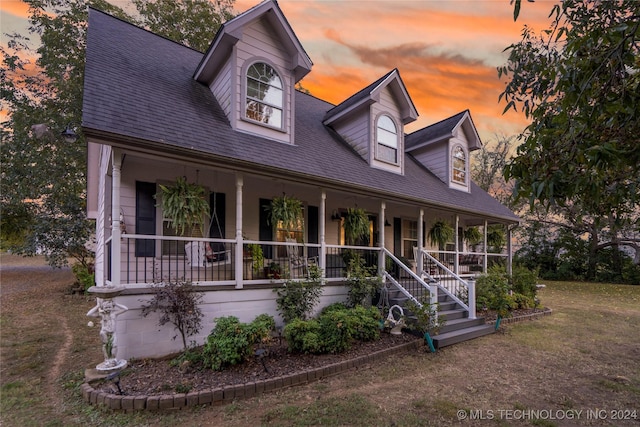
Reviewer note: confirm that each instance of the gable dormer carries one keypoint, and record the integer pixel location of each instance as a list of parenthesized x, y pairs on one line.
[(445, 147), (252, 67), (372, 121)]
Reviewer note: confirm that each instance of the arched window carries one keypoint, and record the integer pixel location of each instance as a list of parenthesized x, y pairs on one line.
[(459, 163), (387, 139), (265, 97)]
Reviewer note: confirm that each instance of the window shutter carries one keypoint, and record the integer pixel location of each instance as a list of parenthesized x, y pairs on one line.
[(145, 218), (217, 205), (265, 231), (313, 228), (397, 236)]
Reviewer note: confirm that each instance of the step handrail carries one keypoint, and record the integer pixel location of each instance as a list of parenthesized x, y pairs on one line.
[(470, 285), (411, 273)]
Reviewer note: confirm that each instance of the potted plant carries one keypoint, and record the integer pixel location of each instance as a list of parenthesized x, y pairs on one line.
[(472, 236), (185, 206), (441, 233), (257, 257), (273, 271), (285, 212), (356, 225)]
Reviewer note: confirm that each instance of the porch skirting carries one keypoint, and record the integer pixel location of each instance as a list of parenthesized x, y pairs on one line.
[(141, 337)]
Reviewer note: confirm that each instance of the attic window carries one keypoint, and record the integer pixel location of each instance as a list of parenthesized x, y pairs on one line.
[(265, 97), (387, 139), (459, 166)]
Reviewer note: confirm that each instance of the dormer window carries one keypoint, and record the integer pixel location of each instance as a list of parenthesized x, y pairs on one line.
[(387, 140), (459, 166), (265, 95)]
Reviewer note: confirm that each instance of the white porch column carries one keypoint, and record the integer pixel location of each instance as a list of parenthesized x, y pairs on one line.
[(486, 250), (456, 265), (381, 254), (420, 258), (239, 240), (116, 165), (509, 252), (322, 261)]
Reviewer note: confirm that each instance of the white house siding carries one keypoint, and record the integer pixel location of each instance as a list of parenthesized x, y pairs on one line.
[(387, 105), (221, 88), (140, 337), (436, 158), (257, 43), (355, 131)]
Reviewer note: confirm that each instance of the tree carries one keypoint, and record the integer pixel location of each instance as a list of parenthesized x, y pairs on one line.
[(579, 84), (190, 22), (488, 168), (43, 178)]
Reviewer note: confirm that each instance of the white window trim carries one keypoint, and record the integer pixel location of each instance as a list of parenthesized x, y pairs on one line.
[(377, 144), (243, 112), (464, 184)]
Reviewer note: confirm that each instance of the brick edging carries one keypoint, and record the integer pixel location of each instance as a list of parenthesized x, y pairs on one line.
[(515, 319), (224, 395)]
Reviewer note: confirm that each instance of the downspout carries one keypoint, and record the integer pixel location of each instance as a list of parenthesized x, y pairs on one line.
[(419, 258), (239, 239), (323, 244), (485, 257), (456, 265), (381, 255), (116, 165), (509, 252)]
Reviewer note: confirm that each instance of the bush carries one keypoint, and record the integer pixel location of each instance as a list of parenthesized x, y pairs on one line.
[(178, 301), (303, 336), (84, 275), (492, 292), (334, 331), (296, 299), (363, 282), (231, 342), (524, 281)]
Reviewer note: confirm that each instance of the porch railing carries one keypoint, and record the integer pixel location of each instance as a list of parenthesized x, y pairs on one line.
[(406, 281), (460, 290)]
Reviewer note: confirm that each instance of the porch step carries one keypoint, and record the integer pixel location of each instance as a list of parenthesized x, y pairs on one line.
[(458, 324), (454, 337), (450, 315)]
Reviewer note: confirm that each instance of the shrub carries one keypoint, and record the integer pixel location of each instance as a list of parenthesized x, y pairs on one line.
[(231, 341), (363, 281), (303, 336), (492, 292), (523, 301), (524, 281), (427, 318), (296, 299), (84, 274), (178, 301), (334, 331)]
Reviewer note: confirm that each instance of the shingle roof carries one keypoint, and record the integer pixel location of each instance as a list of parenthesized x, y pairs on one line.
[(139, 92), (435, 132)]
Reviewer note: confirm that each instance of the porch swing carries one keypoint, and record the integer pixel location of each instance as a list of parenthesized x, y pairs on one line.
[(201, 254)]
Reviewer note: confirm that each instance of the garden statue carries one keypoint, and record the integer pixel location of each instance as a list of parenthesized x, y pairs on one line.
[(108, 310)]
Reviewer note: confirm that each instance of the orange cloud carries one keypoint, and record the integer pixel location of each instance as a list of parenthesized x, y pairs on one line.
[(17, 8)]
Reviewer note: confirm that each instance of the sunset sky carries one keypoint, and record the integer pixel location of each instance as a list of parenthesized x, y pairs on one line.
[(447, 51)]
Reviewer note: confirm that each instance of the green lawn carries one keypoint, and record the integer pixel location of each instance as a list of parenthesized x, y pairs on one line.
[(585, 356)]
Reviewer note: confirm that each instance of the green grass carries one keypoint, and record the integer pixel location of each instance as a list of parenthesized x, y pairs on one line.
[(583, 356)]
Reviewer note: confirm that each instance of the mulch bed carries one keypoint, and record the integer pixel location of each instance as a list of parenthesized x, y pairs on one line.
[(161, 376)]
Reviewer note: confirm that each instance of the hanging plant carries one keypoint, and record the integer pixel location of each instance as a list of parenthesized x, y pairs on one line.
[(356, 225), (472, 236), (441, 233), (496, 238), (285, 212), (184, 205)]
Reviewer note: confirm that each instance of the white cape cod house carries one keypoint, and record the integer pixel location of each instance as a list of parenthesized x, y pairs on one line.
[(231, 121)]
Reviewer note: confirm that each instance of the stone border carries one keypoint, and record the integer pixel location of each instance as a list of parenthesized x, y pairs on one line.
[(524, 317), (225, 395)]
